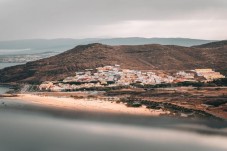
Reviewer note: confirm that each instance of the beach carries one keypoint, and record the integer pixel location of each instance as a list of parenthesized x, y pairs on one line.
[(82, 105)]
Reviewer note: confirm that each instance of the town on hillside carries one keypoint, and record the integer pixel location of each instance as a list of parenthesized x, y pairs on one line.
[(112, 76)]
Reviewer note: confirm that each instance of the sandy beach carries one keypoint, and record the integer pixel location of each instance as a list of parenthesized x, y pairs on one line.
[(84, 105)]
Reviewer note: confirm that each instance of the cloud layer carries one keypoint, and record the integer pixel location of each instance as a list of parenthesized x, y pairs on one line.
[(25, 19)]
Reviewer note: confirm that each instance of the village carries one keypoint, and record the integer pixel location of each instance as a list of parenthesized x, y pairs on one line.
[(112, 76)]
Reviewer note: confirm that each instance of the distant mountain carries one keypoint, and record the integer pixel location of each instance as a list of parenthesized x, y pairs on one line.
[(60, 45), (162, 41), (142, 57)]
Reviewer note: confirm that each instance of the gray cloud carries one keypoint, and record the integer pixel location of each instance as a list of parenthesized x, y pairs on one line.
[(24, 19)]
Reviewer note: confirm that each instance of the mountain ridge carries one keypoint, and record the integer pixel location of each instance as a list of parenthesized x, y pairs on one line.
[(70, 43)]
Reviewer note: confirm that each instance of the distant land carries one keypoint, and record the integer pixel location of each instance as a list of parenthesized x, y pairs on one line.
[(34, 46), (141, 57)]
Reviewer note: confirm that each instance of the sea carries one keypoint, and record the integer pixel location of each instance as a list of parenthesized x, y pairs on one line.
[(4, 65), (28, 130)]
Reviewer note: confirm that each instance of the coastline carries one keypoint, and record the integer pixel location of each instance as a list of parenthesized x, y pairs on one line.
[(112, 103), (82, 105)]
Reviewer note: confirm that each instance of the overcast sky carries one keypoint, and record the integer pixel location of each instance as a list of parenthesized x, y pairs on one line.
[(29, 19)]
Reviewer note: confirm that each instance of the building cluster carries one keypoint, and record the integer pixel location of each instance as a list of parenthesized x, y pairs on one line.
[(57, 87), (209, 74), (115, 76), (183, 76), (203, 75)]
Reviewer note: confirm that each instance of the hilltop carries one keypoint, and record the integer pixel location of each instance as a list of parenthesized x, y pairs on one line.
[(142, 57)]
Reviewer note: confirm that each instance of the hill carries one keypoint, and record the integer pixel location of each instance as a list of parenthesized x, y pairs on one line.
[(142, 57)]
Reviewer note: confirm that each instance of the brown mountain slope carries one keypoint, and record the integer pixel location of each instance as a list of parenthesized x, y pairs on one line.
[(134, 57)]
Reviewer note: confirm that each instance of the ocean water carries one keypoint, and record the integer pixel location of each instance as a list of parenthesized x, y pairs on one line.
[(4, 65), (3, 89), (26, 131), (12, 51)]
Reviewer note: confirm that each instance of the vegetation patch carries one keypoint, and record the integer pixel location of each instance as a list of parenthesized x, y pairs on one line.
[(216, 103)]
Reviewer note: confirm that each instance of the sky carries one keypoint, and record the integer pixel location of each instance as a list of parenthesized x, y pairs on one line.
[(49, 19)]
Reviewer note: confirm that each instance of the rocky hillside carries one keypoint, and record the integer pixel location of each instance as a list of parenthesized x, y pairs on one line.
[(143, 57)]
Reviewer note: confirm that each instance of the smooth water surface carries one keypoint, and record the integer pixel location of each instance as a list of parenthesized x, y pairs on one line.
[(26, 131), (4, 65), (3, 89)]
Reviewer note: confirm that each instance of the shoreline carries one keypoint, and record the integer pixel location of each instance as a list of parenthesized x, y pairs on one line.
[(83, 105), (184, 102)]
